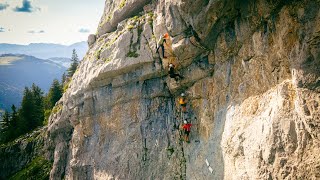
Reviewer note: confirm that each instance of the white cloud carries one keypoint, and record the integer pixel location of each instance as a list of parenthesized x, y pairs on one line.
[(60, 23), (84, 30)]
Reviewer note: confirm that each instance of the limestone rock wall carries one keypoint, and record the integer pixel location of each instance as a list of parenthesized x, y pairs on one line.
[(251, 75)]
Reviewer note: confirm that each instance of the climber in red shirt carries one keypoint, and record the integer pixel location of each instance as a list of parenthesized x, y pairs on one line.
[(187, 128)]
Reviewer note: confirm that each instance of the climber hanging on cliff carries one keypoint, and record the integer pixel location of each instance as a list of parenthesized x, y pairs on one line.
[(187, 128), (161, 41), (172, 73), (183, 102)]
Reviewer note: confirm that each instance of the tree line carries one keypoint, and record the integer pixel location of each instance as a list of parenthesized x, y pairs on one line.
[(36, 106)]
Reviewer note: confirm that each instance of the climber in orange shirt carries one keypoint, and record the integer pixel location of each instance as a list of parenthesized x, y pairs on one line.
[(183, 102), (160, 43), (187, 128)]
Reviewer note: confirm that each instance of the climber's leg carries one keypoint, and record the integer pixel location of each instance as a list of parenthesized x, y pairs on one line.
[(162, 47), (184, 107), (187, 136), (181, 77), (176, 77)]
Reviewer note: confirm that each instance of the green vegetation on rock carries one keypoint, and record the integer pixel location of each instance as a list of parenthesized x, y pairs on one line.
[(122, 4), (39, 168), (107, 60), (97, 54), (132, 54), (130, 27), (57, 108), (66, 85)]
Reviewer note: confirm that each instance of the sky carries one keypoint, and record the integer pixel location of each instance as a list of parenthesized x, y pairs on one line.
[(48, 21)]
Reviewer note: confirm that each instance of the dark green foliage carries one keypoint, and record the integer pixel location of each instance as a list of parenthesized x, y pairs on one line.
[(38, 169), (6, 120), (14, 116), (27, 118), (13, 123), (63, 78), (35, 108), (38, 111), (9, 125), (74, 65), (55, 93), (5, 124), (32, 109), (53, 96), (25, 115)]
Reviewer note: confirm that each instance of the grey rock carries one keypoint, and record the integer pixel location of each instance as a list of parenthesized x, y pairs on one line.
[(119, 13), (91, 39)]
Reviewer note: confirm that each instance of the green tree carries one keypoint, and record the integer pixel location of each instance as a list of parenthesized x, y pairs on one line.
[(63, 79), (9, 125), (5, 124), (26, 121), (53, 96), (74, 64), (32, 109), (13, 124), (38, 111), (14, 117), (5, 120), (55, 93), (27, 118)]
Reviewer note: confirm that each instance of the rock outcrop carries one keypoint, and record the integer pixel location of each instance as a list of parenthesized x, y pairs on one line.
[(251, 75)]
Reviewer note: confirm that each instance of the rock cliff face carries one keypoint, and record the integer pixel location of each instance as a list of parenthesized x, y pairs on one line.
[(251, 74)]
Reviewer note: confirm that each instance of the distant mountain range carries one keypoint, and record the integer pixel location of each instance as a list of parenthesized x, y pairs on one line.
[(18, 71), (66, 62), (45, 50)]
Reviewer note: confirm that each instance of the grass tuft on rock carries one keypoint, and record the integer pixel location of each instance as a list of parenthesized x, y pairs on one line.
[(132, 54), (122, 4)]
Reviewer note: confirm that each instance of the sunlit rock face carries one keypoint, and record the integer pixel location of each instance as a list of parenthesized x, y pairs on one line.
[(251, 76)]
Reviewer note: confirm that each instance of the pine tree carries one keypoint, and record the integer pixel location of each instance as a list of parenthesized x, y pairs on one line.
[(6, 120), (55, 93), (27, 118), (26, 121), (13, 124), (38, 111), (53, 96), (14, 117), (63, 79), (5, 127), (32, 109), (74, 64)]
